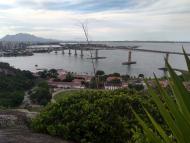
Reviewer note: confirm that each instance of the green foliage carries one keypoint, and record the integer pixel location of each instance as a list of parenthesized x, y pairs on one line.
[(102, 78), (175, 109), (62, 95), (93, 116), (99, 80), (52, 73), (11, 99), (13, 83), (43, 74), (115, 74), (4, 65), (125, 77), (13, 79), (141, 76), (115, 81), (137, 87), (138, 136), (100, 73), (69, 77), (41, 94)]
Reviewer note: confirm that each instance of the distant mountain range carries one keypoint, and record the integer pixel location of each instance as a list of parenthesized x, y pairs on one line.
[(23, 37)]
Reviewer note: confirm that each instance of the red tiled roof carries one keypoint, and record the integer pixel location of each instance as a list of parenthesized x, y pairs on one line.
[(110, 78)]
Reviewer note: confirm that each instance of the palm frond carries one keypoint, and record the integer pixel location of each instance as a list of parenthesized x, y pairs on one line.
[(175, 109)]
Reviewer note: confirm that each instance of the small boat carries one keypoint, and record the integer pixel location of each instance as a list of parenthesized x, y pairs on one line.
[(129, 63), (96, 58)]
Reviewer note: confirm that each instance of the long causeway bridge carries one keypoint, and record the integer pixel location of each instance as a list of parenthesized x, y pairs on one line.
[(96, 47)]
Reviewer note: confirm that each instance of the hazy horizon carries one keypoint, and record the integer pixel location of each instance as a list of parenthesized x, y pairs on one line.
[(93, 40), (109, 20)]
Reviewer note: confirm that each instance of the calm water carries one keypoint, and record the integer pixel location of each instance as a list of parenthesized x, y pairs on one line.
[(147, 63)]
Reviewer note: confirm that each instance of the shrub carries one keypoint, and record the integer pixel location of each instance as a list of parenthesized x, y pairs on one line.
[(11, 99), (52, 73), (69, 77), (137, 87), (100, 73), (41, 95), (91, 116), (115, 74)]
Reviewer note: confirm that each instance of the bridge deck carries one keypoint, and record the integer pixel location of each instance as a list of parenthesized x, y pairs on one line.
[(158, 51), (179, 70), (133, 48), (102, 47)]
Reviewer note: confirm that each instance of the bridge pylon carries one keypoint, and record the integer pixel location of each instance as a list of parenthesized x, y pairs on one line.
[(69, 51), (167, 59), (129, 62), (167, 56), (129, 56), (82, 54), (96, 54), (75, 52)]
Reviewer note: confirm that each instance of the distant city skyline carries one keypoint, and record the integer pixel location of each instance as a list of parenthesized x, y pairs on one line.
[(146, 20)]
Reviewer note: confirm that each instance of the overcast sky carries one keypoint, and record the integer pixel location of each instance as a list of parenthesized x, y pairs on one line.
[(107, 19)]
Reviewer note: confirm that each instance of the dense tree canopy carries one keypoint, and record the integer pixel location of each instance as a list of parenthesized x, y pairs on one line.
[(11, 99), (100, 73), (41, 94), (69, 77), (115, 74), (13, 83), (52, 73), (137, 87)]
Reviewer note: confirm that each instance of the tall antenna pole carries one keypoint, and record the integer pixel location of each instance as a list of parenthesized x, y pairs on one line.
[(85, 30)]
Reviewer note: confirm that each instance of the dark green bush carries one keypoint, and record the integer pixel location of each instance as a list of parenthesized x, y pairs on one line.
[(11, 99), (69, 77), (13, 83), (41, 95), (100, 73), (115, 74), (93, 116), (137, 87)]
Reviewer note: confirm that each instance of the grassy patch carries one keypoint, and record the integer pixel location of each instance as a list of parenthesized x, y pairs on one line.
[(65, 94), (68, 93)]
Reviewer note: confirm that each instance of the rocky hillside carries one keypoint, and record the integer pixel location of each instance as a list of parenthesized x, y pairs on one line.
[(14, 128)]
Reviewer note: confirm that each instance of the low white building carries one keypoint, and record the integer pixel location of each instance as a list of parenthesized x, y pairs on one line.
[(113, 83)]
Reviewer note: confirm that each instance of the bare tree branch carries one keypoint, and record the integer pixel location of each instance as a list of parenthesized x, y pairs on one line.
[(85, 30)]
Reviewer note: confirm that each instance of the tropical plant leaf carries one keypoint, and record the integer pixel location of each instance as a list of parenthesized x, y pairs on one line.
[(165, 114), (153, 138), (158, 128), (171, 104), (175, 109), (181, 94), (186, 59)]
